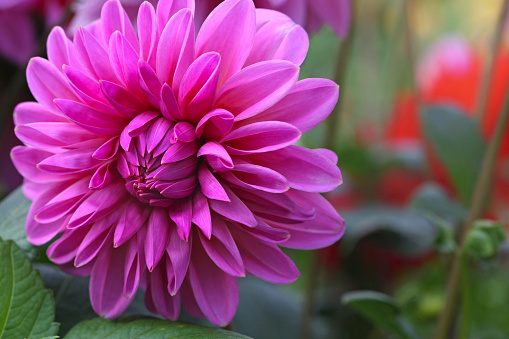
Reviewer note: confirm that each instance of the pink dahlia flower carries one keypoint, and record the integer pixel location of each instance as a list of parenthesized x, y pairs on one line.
[(165, 158)]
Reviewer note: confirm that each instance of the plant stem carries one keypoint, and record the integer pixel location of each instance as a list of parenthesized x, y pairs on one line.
[(466, 296), (409, 35), (489, 70), (481, 190), (309, 304), (345, 47)]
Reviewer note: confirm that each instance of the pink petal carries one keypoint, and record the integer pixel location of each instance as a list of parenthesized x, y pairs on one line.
[(30, 112), (257, 177), (99, 237), (98, 205), (60, 49), (177, 262), (261, 137), (305, 169), (107, 283), (324, 230), (107, 150), (149, 83), (133, 268), (216, 156), (216, 292), (114, 18), (308, 103), (122, 100), (181, 213), (48, 135), (265, 260), (179, 151), (168, 8), (148, 35), (215, 124), (169, 105), (256, 88), (95, 121), (229, 30), (104, 176), (93, 56), (47, 83), (210, 186), (70, 162), (201, 214), (64, 249), (25, 159), (175, 51), (132, 218), (157, 236), (222, 250), (279, 39), (198, 87), (234, 209), (164, 303)]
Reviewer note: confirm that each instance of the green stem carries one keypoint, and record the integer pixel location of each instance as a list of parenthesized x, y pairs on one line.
[(466, 296), (481, 190), (489, 71), (345, 47)]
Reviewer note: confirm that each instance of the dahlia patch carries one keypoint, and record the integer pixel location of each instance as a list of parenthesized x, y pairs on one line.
[(164, 159)]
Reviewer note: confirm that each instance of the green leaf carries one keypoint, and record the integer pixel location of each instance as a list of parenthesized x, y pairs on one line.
[(484, 239), (456, 139), (129, 327), (26, 308), (381, 310), (72, 300), (431, 198), (13, 214)]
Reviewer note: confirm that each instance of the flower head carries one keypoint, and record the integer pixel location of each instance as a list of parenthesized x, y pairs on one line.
[(165, 158)]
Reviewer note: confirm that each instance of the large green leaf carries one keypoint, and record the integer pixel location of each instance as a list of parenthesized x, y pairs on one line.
[(13, 214), (457, 140), (26, 308), (381, 310), (128, 327)]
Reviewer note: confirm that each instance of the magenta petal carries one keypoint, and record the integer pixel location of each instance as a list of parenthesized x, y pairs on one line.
[(107, 150), (229, 30), (26, 159), (168, 8), (107, 283), (47, 83), (216, 156), (124, 60), (165, 304), (49, 135), (308, 103), (261, 137), (279, 39), (99, 236), (104, 176), (305, 169), (98, 205), (257, 87), (216, 292), (215, 124), (265, 260), (175, 51), (131, 219), (149, 83), (93, 56), (210, 186), (183, 132), (181, 212), (157, 236), (140, 123), (148, 35), (177, 263), (30, 112), (222, 250), (122, 100), (157, 133), (201, 214), (235, 209), (257, 177), (91, 119), (324, 230), (113, 19), (60, 49), (169, 105), (70, 162), (133, 268), (180, 189), (65, 248), (198, 88), (179, 151)]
